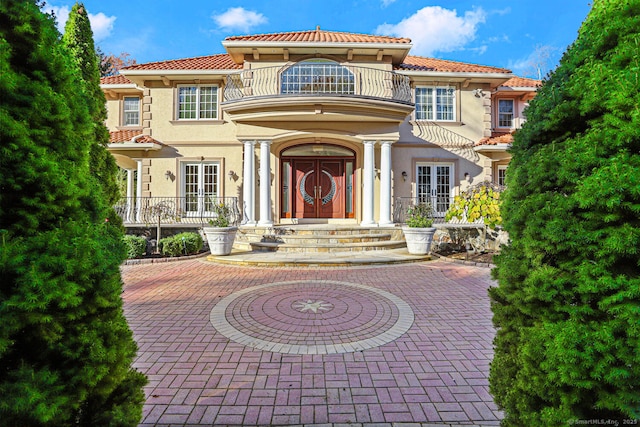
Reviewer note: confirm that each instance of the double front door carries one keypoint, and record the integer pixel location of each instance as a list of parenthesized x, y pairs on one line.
[(321, 188)]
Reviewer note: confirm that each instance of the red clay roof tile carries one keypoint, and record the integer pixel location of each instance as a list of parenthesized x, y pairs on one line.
[(496, 138), (122, 136), (419, 63), (118, 79), (318, 35), (522, 82), (221, 61)]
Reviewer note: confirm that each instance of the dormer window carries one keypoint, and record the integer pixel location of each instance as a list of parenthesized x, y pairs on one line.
[(317, 76)]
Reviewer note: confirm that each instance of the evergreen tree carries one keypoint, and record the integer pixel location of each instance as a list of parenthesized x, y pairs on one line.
[(78, 38), (567, 307), (65, 347)]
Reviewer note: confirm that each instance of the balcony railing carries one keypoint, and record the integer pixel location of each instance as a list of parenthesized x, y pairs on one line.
[(194, 210), (439, 204), (355, 82)]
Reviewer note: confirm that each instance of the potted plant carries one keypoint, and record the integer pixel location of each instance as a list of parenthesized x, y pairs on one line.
[(221, 234), (418, 230)]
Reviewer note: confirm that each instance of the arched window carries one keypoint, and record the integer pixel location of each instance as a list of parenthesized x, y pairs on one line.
[(317, 76)]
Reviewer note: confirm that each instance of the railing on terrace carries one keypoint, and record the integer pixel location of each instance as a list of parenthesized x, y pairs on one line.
[(194, 210), (316, 80), (439, 204)]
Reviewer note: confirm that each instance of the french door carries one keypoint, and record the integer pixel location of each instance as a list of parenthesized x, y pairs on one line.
[(434, 185), (200, 187), (319, 188)]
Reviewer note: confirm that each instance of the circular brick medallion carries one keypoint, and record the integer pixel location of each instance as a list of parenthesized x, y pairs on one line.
[(312, 317)]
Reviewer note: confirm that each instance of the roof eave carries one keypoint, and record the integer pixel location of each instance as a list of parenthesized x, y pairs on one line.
[(170, 72), (293, 44), (119, 86), (493, 148)]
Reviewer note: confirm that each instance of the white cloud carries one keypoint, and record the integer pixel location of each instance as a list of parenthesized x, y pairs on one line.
[(386, 3), (435, 29), (238, 18), (101, 24)]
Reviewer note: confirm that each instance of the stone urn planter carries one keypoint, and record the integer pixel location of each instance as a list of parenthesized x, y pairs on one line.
[(418, 232), (418, 239), (220, 239)]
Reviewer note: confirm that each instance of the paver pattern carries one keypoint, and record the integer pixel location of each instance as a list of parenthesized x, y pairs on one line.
[(435, 373), (312, 317)]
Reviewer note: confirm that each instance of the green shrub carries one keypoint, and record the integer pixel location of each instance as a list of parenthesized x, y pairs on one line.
[(567, 305), (479, 201), (66, 351), (136, 245), (420, 216), (181, 244)]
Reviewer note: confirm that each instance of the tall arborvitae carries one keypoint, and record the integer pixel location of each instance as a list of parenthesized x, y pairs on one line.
[(65, 347), (78, 38), (567, 306)]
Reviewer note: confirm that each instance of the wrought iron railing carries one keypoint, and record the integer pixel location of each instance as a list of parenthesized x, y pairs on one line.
[(194, 210), (439, 205), (363, 82)]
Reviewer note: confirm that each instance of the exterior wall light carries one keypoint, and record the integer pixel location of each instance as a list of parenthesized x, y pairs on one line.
[(404, 175)]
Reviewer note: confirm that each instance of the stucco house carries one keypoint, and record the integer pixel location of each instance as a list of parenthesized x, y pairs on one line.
[(311, 127)]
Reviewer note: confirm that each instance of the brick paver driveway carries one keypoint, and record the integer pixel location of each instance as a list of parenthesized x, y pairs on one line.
[(227, 345)]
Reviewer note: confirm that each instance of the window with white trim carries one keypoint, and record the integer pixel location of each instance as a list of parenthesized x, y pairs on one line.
[(502, 174), (505, 113), (200, 186), (131, 111), (436, 103), (197, 102)]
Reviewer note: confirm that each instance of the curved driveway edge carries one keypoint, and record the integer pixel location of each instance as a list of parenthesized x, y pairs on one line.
[(435, 373)]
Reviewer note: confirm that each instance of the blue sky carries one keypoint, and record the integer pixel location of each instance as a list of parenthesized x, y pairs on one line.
[(515, 34)]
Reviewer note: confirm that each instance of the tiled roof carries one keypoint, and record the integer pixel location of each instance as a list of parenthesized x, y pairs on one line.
[(419, 63), (212, 62), (522, 82), (496, 138), (122, 136), (318, 35), (118, 79)]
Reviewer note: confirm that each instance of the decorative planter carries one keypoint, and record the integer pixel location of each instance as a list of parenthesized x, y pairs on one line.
[(418, 239), (220, 239)]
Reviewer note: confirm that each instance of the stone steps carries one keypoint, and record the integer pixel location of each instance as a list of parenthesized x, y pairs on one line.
[(318, 238)]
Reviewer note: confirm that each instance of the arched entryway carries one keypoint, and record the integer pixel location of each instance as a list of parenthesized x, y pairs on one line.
[(317, 182)]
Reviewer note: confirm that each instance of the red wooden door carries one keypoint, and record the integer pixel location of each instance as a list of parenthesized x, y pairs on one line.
[(331, 189), (319, 188)]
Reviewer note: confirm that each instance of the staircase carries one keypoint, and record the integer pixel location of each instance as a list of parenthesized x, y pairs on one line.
[(318, 238)]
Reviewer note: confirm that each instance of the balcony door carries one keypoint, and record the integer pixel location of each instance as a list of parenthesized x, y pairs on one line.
[(200, 187), (434, 185)]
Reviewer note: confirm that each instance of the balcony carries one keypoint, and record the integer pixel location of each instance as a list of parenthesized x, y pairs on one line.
[(317, 91)]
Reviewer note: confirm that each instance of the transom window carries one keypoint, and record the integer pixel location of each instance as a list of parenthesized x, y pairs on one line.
[(197, 102), (131, 111), (505, 113), (318, 76), (435, 103)]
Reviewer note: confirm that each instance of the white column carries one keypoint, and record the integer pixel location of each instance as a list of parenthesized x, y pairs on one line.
[(130, 203), (385, 183), (367, 185), (139, 192), (265, 184), (248, 187)]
